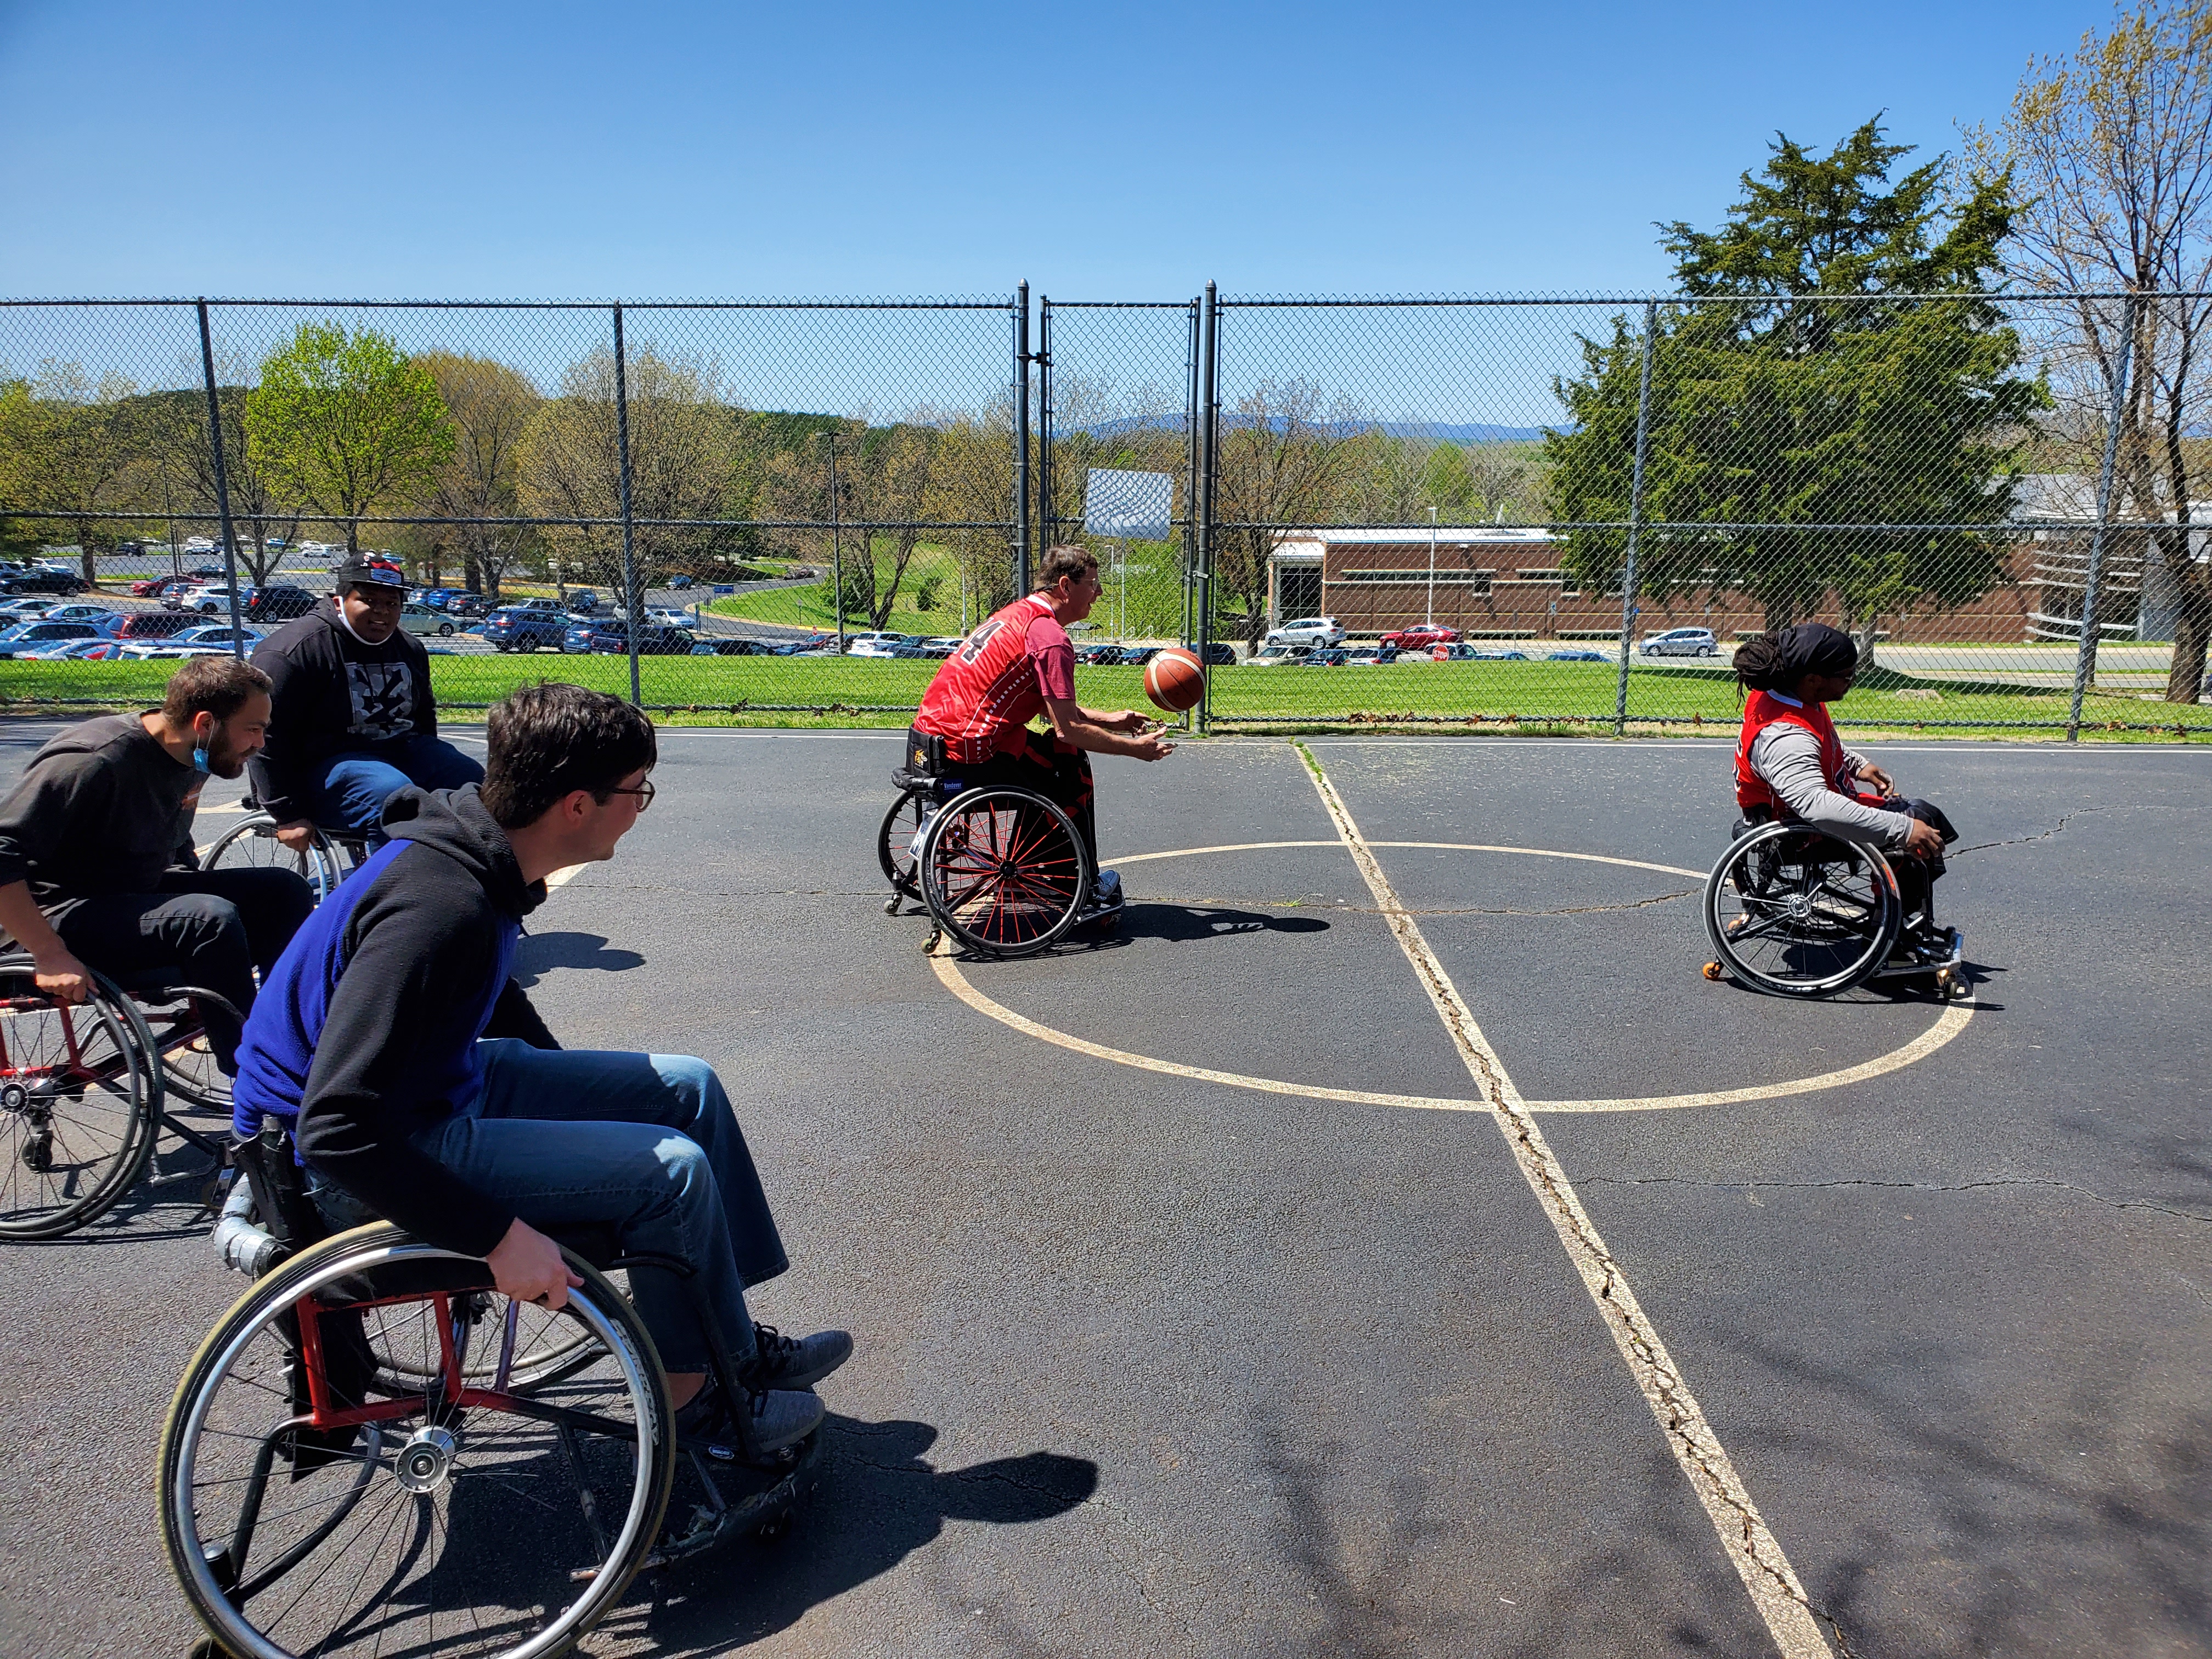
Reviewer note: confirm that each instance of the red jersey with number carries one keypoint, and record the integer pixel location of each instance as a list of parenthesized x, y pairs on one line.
[(1762, 709), (988, 690)]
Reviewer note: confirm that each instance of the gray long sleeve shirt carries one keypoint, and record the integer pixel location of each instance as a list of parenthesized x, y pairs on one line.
[(1789, 757), (103, 808)]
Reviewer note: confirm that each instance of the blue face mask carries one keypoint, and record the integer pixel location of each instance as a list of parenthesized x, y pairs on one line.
[(199, 760)]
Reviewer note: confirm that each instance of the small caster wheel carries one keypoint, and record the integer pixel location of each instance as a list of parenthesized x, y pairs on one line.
[(1713, 971), (891, 905), (929, 944)]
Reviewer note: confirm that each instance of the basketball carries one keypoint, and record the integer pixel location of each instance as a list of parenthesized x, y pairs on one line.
[(1174, 680)]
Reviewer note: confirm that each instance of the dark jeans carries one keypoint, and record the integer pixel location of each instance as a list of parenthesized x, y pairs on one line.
[(356, 784), (211, 928), (1916, 878), (1061, 776)]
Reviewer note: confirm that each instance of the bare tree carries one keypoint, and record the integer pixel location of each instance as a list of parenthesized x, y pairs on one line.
[(490, 406), (2112, 148), (1281, 459)]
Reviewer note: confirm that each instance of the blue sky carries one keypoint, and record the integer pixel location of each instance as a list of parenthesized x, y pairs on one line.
[(458, 150)]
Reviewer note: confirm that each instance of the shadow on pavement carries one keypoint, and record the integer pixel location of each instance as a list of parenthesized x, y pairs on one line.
[(1189, 921), (539, 953), (878, 1502)]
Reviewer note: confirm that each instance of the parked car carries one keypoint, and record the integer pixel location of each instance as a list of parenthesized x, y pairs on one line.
[(1309, 630), (1494, 653), (678, 583), (1136, 656), (725, 646), (150, 588), (1371, 656), (1275, 656), (1681, 643), (168, 650), (209, 599), (97, 614), (219, 636), (943, 645), (876, 645), (145, 625), (812, 645), (24, 609), (612, 637), (467, 605), (27, 636), (583, 602), (278, 602), (544, 607), (1422, 636), (78, 650), (1098, 656), (525, 627), (40, 579), (1328, 656), (1576, 654), (1217, 652), (667, 616), (420, 619)]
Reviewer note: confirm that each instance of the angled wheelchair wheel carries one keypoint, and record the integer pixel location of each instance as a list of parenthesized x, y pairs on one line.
[(311, 1504), (894, 843), (1795, 913), (189, 1071), (1004, 870), (252, 844), (81, 1102)]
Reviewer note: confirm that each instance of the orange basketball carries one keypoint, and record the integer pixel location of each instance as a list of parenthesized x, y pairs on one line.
[(1174, 680)]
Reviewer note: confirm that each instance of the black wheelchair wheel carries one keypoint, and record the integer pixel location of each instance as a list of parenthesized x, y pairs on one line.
[(80, 1102), (309, 1505), (894, 843), (1795, 913), (1004, 870)]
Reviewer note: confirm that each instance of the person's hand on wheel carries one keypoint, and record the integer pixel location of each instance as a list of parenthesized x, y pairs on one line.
[(63, 976), (299, 835), (1874, 775), (1922, 841), (527, 1266)]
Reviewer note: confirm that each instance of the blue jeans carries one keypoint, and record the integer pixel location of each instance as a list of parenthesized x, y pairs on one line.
[(645, 1143), (356, 784)]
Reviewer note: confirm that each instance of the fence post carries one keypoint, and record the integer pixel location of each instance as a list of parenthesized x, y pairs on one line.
[(837, 546), (1021, 393), (1209, 352), (1629, 579), (2085, 655), (635, 601), (222, 486), (1190, 472), (1043, 362)]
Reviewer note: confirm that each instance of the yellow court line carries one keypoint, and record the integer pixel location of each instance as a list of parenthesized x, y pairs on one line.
[(1754, 1550), (1440, 846)]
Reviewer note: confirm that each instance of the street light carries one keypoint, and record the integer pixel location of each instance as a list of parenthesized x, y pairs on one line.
[(1432, 568)]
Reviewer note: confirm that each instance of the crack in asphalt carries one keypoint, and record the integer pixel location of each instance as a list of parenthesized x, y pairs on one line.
[(1896, 1186), (2063, 820)]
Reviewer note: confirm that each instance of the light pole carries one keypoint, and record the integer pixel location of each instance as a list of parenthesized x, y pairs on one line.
[(1432, 617)]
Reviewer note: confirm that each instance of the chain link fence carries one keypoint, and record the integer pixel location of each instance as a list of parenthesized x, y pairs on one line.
[(1558, 512)]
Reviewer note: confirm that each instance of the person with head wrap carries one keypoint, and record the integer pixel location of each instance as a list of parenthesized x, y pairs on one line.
[(1791, 763)]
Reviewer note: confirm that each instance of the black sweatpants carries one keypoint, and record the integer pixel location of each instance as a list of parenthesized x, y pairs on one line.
[(211, 927)]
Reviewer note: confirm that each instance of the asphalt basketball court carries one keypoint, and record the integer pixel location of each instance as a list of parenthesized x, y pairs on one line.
[(1388, 1243)]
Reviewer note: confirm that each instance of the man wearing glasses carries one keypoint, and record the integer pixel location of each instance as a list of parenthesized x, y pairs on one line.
[(420, 1085)]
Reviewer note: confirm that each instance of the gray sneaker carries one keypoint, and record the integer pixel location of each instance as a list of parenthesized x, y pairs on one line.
[(779, 1361), (780, 1417)]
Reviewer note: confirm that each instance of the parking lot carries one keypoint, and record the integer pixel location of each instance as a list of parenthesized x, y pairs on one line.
[(1214, 1295)]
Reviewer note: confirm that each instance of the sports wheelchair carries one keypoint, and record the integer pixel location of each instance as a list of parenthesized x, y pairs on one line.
[(85, 1089), (1000, 868), (251, 843), (1794, 912), (375, 1442)]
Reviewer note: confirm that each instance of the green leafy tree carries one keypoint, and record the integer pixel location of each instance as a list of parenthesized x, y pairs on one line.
[(1772, 407), (344, 423)]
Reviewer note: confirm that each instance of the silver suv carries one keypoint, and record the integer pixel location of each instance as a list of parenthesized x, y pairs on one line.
[(1681, 643), (1316, 631)]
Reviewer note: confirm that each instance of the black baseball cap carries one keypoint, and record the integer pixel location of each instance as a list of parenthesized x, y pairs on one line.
[(375, 573)]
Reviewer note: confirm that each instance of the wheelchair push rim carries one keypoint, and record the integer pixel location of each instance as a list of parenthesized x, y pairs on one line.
[(80, 1103), (1792, 912), (251, 843), (1004, 870), (310, 1505)]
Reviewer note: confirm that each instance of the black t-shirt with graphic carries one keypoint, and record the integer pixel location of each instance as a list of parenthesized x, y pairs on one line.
[(334, 696)]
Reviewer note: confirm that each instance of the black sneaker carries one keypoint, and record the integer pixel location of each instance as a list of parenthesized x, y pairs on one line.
[(781, 1418), (779, 1362)]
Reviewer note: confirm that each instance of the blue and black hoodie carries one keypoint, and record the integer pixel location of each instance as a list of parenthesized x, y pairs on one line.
[(365, 1031)]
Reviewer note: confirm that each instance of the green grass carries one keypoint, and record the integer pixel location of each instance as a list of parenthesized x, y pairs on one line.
[(807, 691)]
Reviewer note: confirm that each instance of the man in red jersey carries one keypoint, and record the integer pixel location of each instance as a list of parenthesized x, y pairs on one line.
[(1018, 663)]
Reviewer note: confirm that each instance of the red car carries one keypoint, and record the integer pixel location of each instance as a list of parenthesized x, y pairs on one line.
[(158, 588), (1422, 636)]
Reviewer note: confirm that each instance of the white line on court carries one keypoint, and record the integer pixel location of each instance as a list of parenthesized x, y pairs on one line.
[(1757, 1555)]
